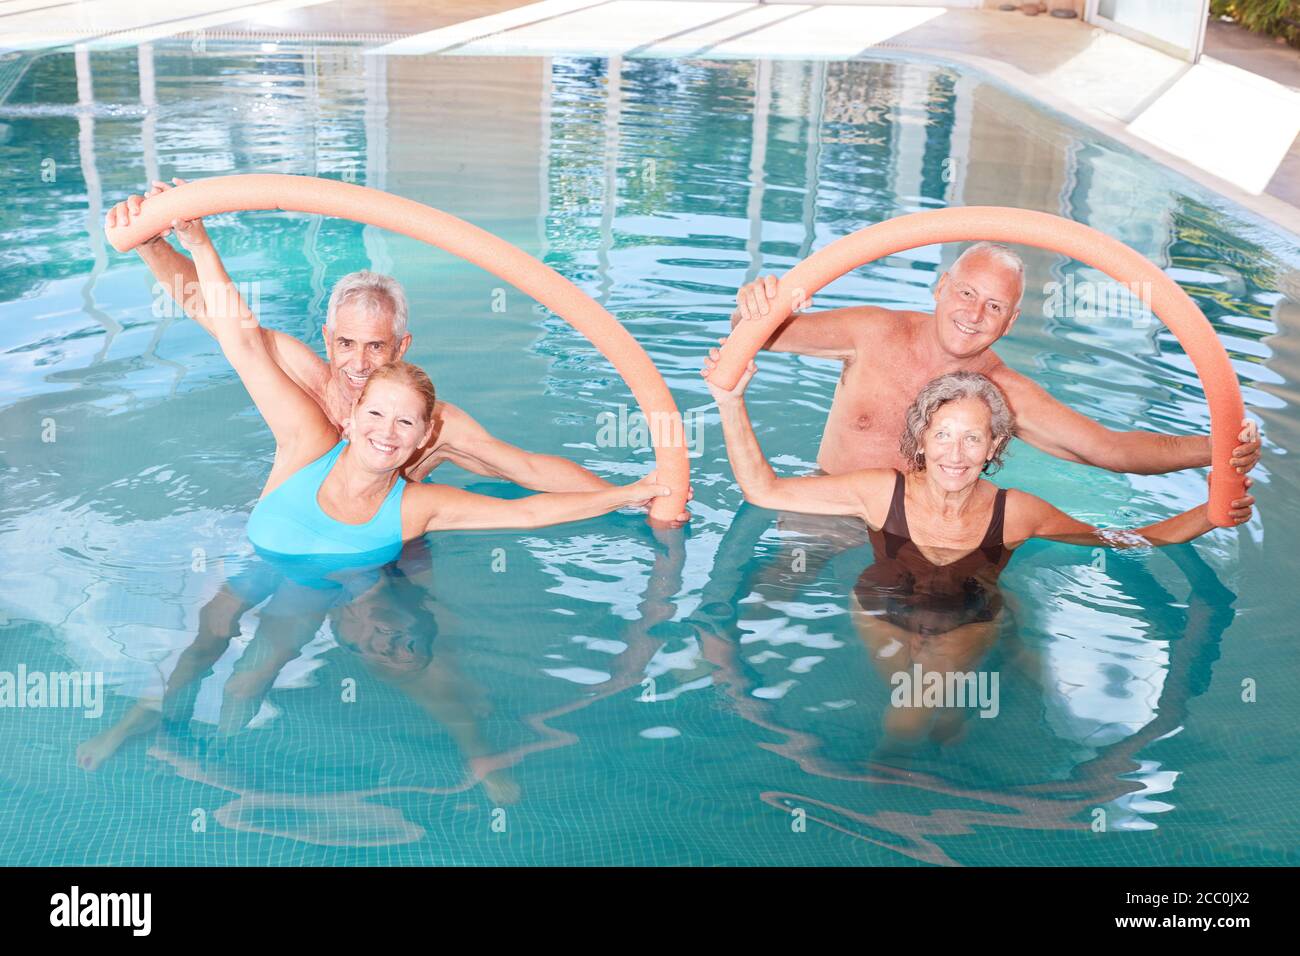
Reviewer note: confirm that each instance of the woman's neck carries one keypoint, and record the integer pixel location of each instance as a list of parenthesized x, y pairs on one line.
[(948, 504), (358, 483)]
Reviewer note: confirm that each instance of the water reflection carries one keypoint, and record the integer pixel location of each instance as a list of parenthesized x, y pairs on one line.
[(386, 619), (376, 613)]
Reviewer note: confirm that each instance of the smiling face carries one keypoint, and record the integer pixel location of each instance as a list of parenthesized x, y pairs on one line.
[(360, 341), (957, 443), (388, 424), (975, 304)]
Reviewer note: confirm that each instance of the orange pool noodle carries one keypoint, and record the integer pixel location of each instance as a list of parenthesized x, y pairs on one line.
[(1157, 291), (327, 197)]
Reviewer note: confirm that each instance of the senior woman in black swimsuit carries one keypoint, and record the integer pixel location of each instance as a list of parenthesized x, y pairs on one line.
[(940, 533)]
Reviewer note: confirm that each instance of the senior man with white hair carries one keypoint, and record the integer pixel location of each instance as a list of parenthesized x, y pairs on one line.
[(889, 355)]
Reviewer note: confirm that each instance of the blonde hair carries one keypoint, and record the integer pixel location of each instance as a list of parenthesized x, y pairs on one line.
[(404, 373)]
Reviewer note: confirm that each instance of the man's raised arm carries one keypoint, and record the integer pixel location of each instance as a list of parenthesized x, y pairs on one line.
[(173, 270), (1061, 431), (829, 334), (178, 275)]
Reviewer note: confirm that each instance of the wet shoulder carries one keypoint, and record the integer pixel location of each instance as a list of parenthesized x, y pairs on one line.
[(876, 486), (1002, 374), (895, 322), (1024, 512), (878, 332), (420, 503), (447, 420), (309, 370), (447, 415), (871, 323)]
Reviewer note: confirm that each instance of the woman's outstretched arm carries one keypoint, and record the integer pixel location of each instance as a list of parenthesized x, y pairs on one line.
[(451, 509), (1031, 517), (862, 494), (289, 411)]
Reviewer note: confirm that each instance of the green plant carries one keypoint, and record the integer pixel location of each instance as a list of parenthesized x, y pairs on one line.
[(1271, 17)]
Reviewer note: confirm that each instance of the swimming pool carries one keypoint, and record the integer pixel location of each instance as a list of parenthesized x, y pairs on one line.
[(652, 699)]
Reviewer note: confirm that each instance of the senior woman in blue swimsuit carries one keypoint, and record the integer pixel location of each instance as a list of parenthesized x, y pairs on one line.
[(333, 511), (940, 533)]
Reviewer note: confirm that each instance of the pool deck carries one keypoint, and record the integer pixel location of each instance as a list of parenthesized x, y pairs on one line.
[(1231, 122)]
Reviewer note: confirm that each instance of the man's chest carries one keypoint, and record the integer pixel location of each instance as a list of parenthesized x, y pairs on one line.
[(875, 392)]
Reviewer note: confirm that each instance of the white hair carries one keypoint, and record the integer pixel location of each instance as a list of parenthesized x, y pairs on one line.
[(1003, 255), (372, 291), (951, 388)]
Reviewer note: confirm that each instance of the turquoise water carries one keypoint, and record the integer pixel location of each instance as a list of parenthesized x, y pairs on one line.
[(638, 698)]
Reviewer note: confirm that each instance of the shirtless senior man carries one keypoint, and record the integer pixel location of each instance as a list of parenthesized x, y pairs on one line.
[(365, 328), (889, 355)]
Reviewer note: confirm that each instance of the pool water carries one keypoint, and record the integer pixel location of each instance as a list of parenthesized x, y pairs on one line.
[(631, 697)]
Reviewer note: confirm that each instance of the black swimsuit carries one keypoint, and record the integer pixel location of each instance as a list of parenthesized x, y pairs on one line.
[(910, 591)]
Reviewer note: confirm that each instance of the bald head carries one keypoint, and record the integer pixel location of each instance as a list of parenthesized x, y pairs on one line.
[(983, 258)]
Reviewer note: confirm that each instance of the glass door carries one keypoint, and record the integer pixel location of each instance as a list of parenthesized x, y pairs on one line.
[(1175, 26)]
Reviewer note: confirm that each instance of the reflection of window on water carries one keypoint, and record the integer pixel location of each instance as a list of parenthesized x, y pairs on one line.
[(860, 93)]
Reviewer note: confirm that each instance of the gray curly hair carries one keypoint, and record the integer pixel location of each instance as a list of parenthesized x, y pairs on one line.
[(373, 291), (950, 388)]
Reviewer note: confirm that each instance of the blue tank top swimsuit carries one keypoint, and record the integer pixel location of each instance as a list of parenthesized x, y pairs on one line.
[(290, 523)]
